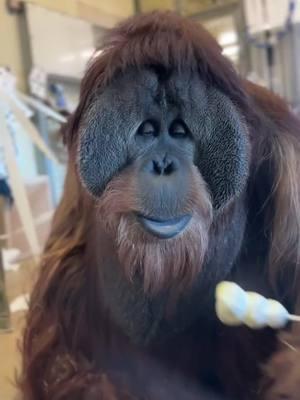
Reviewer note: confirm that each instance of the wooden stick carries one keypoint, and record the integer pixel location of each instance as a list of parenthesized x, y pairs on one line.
[(295, 318)]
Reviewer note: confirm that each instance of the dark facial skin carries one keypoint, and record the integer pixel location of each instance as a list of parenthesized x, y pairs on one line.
[(165, 151), (163, 124)]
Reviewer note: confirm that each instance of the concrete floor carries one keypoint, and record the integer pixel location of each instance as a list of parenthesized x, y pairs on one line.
[(18, 285), (9, 361)]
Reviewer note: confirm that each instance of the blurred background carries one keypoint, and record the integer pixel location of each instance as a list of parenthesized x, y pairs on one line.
[(44, 48)]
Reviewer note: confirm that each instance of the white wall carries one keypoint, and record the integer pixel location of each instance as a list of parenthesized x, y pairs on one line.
[(60, 45), (274, 14)]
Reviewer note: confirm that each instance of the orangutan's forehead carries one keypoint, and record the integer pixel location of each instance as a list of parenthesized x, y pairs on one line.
[(156, 85)]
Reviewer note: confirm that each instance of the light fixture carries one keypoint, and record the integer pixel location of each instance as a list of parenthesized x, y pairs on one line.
[(231, 51), (227, 38)]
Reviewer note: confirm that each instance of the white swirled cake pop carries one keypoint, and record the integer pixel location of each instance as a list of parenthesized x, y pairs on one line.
[(231, 303), (234, 306)]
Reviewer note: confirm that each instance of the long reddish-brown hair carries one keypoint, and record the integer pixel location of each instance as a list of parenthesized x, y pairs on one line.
[(55, 349)]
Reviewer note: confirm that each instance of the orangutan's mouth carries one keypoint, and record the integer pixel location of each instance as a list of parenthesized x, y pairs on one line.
[(164, 229)]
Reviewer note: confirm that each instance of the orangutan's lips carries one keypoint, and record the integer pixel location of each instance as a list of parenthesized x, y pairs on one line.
[(164, 229)]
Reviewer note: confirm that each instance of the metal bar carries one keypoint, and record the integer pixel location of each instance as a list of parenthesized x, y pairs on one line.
[(137, 6), (244, 53), (178, 6)]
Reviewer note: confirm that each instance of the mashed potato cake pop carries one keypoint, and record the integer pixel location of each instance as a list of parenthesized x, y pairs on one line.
[(235, 306)]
